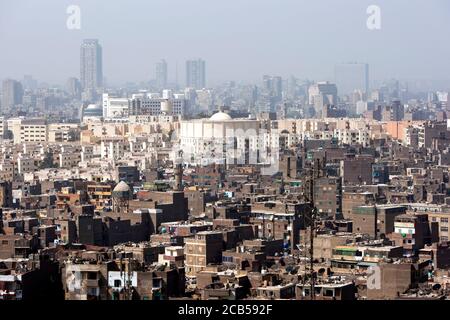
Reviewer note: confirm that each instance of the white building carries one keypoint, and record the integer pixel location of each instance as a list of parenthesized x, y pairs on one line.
[(63, 132), (171, 254), (146, 104), (322, 94), (361, 107), (115, 107), (28, 130), (114, 148), (141, 104), (3, 127), (25, 164), (69, 157), (91, 112), (353, 137), (220, 138), (87, 153)]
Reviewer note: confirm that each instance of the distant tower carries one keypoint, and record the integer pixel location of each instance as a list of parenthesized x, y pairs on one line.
[(12, 95), (178, 172), (74, 87), (121, 196), (196, 74), (352, 76), (161, 74), (91, 65)]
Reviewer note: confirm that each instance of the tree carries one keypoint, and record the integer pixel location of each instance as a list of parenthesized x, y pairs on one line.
[(47, 162)]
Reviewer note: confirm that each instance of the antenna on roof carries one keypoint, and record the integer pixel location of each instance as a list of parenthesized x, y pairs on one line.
[(308, 194)]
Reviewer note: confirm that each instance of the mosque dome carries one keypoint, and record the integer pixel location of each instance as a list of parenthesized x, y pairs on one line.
[(122, 190), (93, 107), (93, 110), (220, 116)]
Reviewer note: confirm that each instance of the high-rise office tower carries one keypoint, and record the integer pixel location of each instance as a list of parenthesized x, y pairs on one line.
[(91, 70), (195, 74), (273, 85), (322, 94), (74, 87), (292, 87), (161, 74), (29, 83), (12, 94), (326, 90), (352, 76)]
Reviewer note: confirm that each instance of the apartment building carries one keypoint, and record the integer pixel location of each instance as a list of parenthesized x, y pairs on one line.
[(442, 218), (203, 249), (32, 130)]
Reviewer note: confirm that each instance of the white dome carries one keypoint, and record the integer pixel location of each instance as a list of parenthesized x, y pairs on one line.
[(93, 107), (220, 116), (122, 187)]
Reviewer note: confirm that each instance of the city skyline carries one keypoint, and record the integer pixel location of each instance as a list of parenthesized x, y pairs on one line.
[(258, 48), (224, 156)]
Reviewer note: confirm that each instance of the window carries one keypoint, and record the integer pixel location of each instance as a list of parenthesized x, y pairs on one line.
[(157, 283), (229, 259), (329, 293), (92, 291)]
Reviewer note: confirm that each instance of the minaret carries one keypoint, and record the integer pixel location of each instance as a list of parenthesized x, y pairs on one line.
[(178, 172), (1, 221), (121, 196), (178, 177)]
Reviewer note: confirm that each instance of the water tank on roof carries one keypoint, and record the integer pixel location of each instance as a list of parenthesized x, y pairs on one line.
[(166, 106)]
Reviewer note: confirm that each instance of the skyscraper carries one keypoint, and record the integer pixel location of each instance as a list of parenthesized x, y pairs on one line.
[(91, 70), (352, 76), (74, 87), (12, 94), (274, 86), (161, 74), (195, 74), (29, 83), (322, 94)]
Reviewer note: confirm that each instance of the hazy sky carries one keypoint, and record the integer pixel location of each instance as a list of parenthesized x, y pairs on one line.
[(239, 39)]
